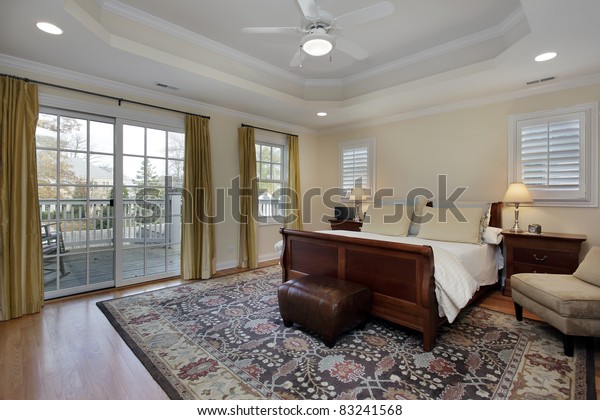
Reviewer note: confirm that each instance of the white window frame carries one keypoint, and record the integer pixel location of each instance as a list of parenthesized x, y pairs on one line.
[(273, 141), (587, 195), (370, 184)]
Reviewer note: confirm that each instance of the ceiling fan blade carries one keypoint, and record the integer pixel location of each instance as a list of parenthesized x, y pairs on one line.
[(350, 48), (364, 15), (296, 59), (308, 8), (271, 30)]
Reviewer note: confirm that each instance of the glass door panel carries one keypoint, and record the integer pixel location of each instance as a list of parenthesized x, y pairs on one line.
[(152, 159), (110, 201), (75, 191)]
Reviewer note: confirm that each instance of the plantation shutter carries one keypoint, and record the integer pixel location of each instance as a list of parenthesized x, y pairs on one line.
[(550, 151), (555, 153), (355, 168)]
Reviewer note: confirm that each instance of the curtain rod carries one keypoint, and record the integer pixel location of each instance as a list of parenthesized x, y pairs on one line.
[(119, 100), (267, 129)]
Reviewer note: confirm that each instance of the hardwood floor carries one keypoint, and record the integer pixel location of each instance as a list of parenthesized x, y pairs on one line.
[(70, 351)]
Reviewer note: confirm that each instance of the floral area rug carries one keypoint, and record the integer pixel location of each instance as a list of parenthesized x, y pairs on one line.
[(224, 339)]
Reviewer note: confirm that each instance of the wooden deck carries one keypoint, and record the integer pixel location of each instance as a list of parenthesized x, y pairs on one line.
[(100, 264)]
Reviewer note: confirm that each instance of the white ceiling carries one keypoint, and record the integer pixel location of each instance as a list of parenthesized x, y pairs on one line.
[(426, 55)]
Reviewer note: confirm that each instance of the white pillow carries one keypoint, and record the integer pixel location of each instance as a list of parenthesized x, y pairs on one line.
[(589, 269), (416, 215), (492, 235), (391, 219), (440, 224), (485, 206)]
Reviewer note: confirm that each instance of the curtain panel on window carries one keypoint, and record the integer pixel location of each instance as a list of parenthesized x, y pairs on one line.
[(295, 213), (247, 257), (197, 236), (21, 272)]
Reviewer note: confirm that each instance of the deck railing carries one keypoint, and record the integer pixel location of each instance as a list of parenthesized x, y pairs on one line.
[(267, 207), (92, 222), (153, 222)]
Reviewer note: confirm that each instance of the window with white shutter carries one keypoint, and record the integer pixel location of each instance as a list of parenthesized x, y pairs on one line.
[(357, 165), (555, 154)]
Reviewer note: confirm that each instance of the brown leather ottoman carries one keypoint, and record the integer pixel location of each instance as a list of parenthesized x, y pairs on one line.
[(324, 305)]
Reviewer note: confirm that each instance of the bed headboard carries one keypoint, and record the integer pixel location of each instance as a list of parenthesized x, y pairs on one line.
[(496, 215)]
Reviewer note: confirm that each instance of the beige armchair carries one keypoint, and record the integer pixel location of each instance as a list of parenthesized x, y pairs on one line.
[(570, 303)]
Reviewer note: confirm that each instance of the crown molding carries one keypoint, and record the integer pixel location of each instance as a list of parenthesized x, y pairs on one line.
[(497, 31), (471, 103), (46, 71), (146, 19), (337, 83)]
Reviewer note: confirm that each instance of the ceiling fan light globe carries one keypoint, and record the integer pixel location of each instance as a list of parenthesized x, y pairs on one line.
[(318, 43), (317, 47)]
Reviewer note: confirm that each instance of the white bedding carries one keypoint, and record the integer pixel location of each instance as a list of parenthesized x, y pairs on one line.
[(460, 268)]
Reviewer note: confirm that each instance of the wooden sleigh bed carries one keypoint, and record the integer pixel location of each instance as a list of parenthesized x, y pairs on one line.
[(401, 276)]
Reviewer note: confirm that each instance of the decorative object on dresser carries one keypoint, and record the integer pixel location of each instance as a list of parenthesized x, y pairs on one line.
[(555, 253), (517, 193), (343, 213)]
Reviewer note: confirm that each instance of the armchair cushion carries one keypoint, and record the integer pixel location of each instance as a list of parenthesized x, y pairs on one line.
[(563, 294), (589, 269)]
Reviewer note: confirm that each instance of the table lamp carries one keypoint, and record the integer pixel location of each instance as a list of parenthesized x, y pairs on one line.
[(357, 194), (517, 193)]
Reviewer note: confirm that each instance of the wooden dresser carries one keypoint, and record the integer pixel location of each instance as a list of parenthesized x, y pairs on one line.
[(555, 253), (345, 225)]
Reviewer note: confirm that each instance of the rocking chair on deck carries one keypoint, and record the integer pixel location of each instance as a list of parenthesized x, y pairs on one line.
[(52, 241)]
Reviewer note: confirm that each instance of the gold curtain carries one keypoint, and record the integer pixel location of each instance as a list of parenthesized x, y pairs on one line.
[(21, 271), (197, 236), (248, 199), (295, 212)]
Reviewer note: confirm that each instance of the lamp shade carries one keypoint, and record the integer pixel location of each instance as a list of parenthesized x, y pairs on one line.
[(517, 192), (357, 193)]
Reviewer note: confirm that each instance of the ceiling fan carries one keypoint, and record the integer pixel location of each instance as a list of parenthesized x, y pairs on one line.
[(322, 29)]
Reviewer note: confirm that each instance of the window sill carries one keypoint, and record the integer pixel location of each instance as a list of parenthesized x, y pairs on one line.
[(265, 224), (556, 203)]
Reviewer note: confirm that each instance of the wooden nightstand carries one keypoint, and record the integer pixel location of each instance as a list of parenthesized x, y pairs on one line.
[(345, 225), (555, 253)]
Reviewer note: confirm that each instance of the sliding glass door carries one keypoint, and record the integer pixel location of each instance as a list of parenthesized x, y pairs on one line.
[(75, 155), (110, 201)]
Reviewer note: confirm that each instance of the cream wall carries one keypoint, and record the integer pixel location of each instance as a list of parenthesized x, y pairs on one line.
[(470, 147)]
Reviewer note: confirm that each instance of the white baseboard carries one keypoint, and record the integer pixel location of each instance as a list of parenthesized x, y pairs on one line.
[(225, 265), (269, 257), (233, 263)]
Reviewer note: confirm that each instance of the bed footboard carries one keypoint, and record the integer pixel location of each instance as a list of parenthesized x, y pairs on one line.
[(400, 275)]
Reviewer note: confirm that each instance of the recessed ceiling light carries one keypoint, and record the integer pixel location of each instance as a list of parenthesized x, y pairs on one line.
[(49, 28), (322, 114), (545, 56)]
